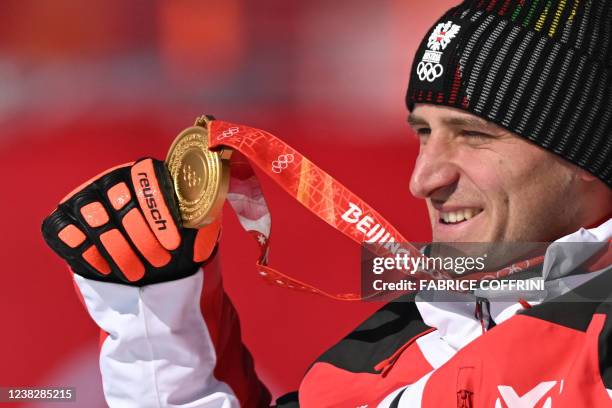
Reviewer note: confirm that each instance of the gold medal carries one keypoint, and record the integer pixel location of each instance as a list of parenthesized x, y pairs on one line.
[(200, 176)]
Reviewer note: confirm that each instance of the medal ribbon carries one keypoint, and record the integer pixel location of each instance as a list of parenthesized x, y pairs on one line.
[(319, 192), (304, 181)]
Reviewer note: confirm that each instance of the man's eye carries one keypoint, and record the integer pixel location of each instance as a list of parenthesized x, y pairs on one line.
[(423, 135), (475, 134), (423, 131)]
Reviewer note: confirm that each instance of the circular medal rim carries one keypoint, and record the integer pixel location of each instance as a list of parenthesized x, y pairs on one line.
[(197, 214)]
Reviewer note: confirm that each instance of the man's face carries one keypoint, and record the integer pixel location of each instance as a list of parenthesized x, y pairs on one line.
[(483, 183)]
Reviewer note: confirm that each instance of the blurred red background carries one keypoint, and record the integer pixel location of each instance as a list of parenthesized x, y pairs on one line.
[(87, 85)]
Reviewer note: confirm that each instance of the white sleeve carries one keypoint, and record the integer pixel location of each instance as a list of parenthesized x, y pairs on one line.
[(158, 352)]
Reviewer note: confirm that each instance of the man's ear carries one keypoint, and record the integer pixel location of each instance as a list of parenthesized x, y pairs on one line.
[(585, 175)]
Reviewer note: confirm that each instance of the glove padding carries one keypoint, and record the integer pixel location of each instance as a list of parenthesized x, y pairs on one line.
[(124, 227)]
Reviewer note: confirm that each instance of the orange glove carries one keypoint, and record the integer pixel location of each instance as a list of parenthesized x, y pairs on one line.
[(123, 226)]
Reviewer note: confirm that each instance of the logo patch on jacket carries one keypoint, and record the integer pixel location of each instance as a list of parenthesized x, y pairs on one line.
[(431, 67), (528, 400)]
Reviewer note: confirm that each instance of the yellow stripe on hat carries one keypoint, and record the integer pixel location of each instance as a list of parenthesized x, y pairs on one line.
[(542, 19), (555, 22)]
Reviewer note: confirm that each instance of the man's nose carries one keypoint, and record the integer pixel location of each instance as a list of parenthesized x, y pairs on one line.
[(434, 168)]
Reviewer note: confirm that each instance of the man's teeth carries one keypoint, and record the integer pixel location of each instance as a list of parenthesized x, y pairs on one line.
[(452, 217)]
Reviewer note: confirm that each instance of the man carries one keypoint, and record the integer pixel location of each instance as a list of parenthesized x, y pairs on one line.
[(511, 101)]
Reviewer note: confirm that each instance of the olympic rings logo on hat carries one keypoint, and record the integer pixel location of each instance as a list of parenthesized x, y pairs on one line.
[(429, 68), (282, 162), (429, 71)]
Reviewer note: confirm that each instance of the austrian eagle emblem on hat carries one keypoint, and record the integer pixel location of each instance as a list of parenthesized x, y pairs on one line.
[(442, 36)]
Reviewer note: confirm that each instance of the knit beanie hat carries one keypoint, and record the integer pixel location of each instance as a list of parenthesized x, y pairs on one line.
[(539, 68)]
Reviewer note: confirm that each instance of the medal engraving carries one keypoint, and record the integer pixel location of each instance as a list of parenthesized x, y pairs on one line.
[(200, 176)]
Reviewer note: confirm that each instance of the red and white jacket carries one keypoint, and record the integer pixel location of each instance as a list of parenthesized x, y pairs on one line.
[(187, 352)]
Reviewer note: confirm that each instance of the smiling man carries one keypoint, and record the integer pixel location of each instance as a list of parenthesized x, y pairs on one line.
[(512, 103), (484, 183)]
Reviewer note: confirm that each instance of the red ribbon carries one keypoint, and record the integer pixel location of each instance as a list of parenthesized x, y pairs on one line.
[(318, 192)]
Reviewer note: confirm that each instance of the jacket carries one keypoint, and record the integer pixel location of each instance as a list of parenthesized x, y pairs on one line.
[(413, 352)]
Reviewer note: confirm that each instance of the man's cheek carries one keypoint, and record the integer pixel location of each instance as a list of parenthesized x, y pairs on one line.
[(488, 177)]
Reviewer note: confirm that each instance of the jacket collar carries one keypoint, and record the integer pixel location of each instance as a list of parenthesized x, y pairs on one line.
[(454, 316)]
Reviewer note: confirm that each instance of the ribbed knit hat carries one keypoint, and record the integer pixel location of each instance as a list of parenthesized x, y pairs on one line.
[(539, 68)]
